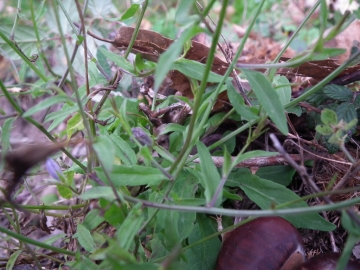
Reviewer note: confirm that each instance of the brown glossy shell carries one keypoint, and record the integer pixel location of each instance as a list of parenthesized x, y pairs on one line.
[(269, 243)]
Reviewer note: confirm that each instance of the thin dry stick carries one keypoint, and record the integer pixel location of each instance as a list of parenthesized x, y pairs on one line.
[(258, 161), (297, 137), (300, 169), (304, 175), (353, 170), (315, 155)]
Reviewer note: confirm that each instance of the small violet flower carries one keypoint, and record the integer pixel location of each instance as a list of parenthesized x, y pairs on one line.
[(53, 169), (141, 136)]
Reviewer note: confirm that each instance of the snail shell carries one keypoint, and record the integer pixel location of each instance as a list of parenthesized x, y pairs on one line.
[(269, 243)]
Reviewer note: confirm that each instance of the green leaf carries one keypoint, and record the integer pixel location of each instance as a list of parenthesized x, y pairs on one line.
[(139, 266), (110, 252), (5, 139), (324, 130), (94, 72), (131, 11), (280, 174), (346, 111), (353, 238), (266, 193), (85, 239), (164, 153), (246, 112), (79, 39), (351, 124), (74, 124), (25, 38), (347, 252), (323, 14), (101, 58), (226, 169), (235, 175), (203, 256), (295, 110), (209, 172), (105, 151), (338, 92), (283, 88), (327, 53), (317, 99), (329, 117), (172, 127), (52, 239), (168, 220), (231, 196), (185, 223), (114, 216), (119, 60), (93, 219), (357, 101), (62, 114), (132, 175), (130, 227), (157, 247), (183, 12), (139, 63), (166, 60), (194, 69), (87, 264), (124, 151), (268, 98), (64, 191), (185, 185), (349, 224), (12, 260), (98, 193), (46, 104)]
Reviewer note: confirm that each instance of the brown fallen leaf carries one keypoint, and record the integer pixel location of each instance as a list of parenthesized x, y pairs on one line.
[(318, 69), (150, 45)]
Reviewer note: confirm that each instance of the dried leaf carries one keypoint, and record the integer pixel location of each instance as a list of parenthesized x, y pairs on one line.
[(150, 45)]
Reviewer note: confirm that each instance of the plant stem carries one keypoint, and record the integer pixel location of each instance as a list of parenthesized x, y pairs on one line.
[(201, 90), (246, 213), (136, 29)]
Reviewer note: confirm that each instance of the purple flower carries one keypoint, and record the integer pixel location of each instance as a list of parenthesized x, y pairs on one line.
[(53, 169), (141, 136)]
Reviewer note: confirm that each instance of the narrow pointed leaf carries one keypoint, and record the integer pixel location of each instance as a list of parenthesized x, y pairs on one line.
[(268, 98), (210, 174), (46, 104)]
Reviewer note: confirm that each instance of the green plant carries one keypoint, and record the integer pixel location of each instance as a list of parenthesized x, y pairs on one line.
[(339, 116), (157, 200)]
